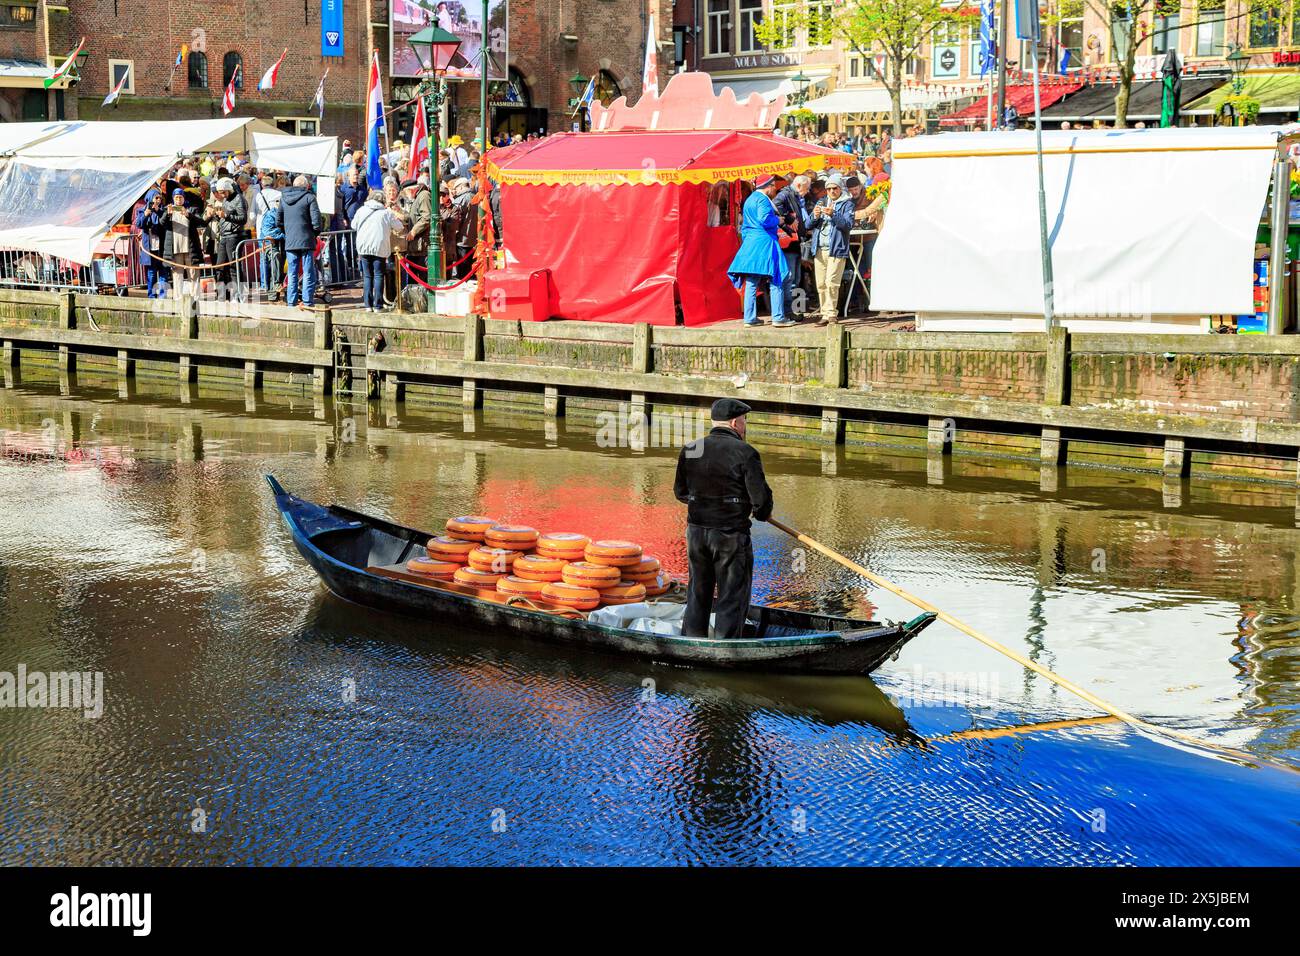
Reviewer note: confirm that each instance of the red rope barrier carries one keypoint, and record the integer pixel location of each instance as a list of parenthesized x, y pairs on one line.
[(452, 266), (432, 288)]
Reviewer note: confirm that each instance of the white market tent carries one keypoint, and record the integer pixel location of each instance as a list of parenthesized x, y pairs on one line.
[(63, 185), (875, 99), (1150, 230)]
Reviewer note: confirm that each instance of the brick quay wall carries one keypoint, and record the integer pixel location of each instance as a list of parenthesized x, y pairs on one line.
[(1175, 405)]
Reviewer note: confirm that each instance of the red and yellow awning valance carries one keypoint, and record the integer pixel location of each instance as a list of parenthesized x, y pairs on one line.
[(642, 157)]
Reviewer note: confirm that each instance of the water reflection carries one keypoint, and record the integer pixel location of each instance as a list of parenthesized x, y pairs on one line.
[(139, 541)]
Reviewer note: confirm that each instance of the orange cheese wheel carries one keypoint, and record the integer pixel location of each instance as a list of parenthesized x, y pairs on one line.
[(535, 567), (614, 549), (432, 567), (568, 542), (569, 595), (445, 548), (469, 527), (585, 574), (476, 578), (643, 572), (625, 592), (614, 554), (513, 537), (563, 556), (662, 584), (492, 559), (511, 584)]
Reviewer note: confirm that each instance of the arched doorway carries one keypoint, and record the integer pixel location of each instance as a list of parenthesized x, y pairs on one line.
[(607, 88), (513, 113)]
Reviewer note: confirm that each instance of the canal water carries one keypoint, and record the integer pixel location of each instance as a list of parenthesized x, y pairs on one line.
[(249, 717)]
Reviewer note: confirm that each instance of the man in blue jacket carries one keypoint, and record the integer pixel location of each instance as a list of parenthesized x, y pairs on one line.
[(299, 219), (832, 219), (759, 258)]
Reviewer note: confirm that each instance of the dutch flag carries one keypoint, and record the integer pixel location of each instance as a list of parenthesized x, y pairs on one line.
[(374, 124), (267, 82)]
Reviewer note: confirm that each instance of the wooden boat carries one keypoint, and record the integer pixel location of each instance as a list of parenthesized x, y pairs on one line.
[(363, 559)]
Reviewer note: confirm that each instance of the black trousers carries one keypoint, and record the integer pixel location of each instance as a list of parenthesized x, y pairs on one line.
[(722, 559)]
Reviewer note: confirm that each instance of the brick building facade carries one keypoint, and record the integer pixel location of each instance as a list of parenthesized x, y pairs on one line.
[(550, 42)]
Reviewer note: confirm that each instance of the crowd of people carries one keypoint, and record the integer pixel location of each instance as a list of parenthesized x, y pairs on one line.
[(798, 236), (210, 213)]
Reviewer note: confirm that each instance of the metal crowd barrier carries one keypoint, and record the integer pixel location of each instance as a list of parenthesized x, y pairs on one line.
[(36, 270), (337, 259)]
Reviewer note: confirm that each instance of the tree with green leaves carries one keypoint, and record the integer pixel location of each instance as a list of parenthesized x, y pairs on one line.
[(1134, 22), (896, 29)]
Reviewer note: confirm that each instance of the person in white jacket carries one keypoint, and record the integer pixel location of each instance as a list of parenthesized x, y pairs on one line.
[(374, 225)]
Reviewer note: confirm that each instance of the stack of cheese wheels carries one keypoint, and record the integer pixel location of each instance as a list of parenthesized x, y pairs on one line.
[(613, 554), (565, 545), (516, 586), (644, 571), (571, 595), (469, 527), (476, 578), (433, 567), (535, 567), (500, 560), (512, 537), (446, 548)]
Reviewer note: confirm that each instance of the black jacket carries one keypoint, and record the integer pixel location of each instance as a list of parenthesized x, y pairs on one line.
[(720, 478), (298, 216), (793, 210)]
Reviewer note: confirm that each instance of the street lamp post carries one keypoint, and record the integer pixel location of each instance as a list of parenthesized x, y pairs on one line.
[(434, 47), (1238, 60), (579, 84)]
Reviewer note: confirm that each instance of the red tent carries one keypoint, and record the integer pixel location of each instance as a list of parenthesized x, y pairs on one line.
[(1020, 95), (639, 218)]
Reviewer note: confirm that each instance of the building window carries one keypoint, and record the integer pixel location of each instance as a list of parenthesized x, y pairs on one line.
[(783, 15), (1264, 27), (197, 68), (519, 93), (298, 125), (18, 16), (607, 90), (679, 46), (821, 24), (945, 44), (1121, 31), (751, 14), (1072, 39), (118, 69), (719, 27), (232, 67), (853, 66), (1164, 35), (1209, 28)]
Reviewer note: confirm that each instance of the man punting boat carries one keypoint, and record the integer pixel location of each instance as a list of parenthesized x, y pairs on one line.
[(720, 479)]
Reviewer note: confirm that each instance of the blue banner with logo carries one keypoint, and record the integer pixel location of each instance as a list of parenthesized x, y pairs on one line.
[(331, 27)]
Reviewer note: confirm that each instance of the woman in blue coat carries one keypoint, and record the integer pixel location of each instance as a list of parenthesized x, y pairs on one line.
[(759, 258)]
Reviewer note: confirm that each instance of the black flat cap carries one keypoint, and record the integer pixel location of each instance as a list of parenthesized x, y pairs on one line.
[(725, 409)]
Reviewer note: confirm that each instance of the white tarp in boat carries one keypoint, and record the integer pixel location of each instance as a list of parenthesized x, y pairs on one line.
[(1141, 222)]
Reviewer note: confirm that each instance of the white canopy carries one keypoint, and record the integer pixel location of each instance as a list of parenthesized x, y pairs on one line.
[(65, 184), (1140, 222), (316, 155), (875, 99)]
